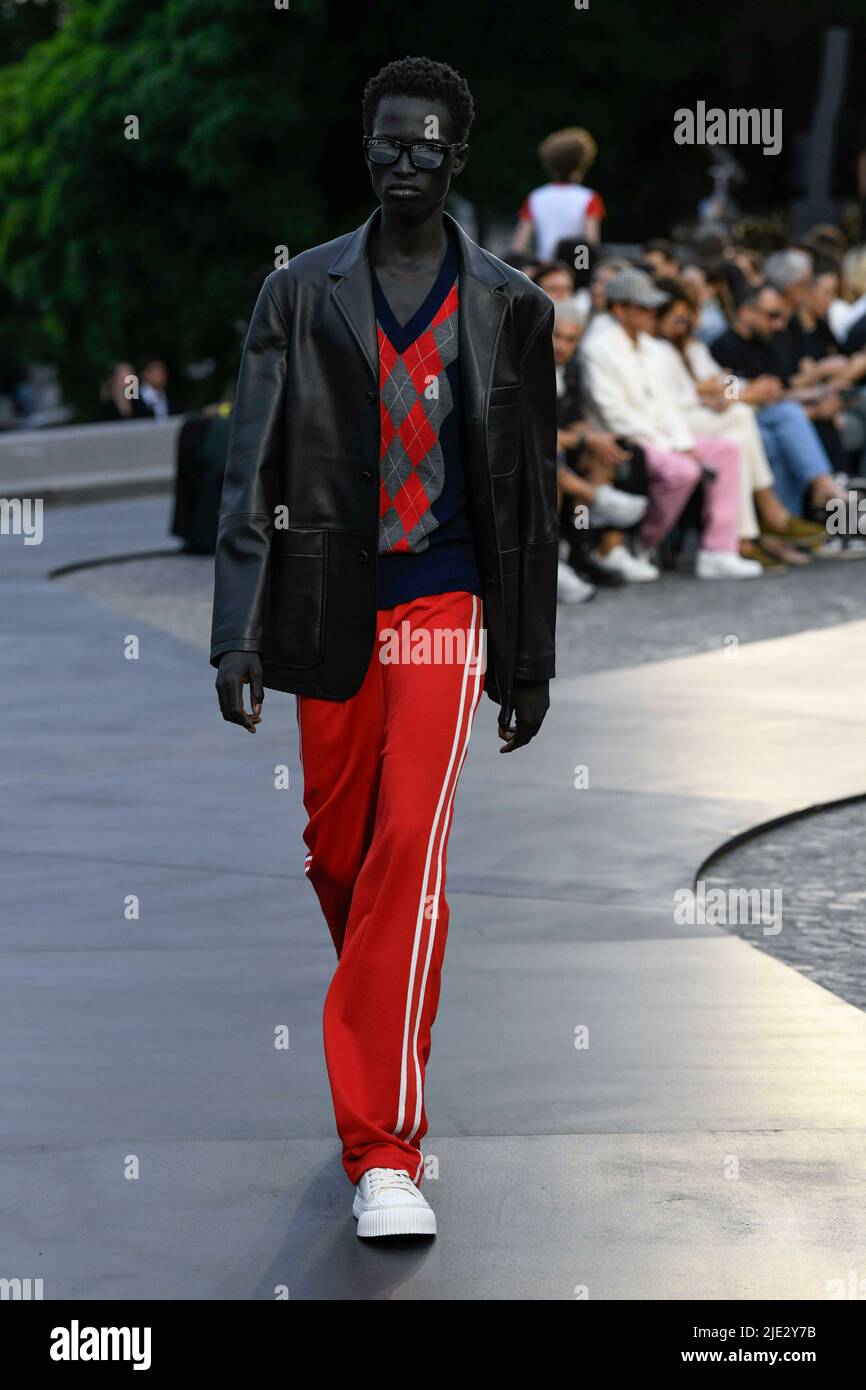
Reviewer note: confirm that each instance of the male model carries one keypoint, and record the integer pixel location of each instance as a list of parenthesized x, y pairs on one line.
[(389, 503)]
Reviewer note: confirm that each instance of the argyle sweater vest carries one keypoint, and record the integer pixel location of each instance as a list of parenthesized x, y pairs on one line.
[(426, 543)]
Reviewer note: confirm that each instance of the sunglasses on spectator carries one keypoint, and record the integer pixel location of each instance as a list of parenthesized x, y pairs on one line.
[(423, 154)]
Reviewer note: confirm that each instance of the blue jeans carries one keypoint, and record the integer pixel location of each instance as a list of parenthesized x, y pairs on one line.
[(795, 452)]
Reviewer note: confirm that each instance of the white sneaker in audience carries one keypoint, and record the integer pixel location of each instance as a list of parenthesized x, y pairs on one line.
[(617, 509), (726, 564), (621, 561), (571, 588)]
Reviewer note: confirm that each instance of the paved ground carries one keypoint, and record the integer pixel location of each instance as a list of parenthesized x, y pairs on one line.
[(815, 865), (709, 1141), (674, 617)]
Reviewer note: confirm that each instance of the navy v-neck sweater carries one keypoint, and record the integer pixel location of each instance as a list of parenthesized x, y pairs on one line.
[(426, 543)]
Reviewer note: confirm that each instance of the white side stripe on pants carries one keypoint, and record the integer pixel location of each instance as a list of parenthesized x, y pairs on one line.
[(444, 796)]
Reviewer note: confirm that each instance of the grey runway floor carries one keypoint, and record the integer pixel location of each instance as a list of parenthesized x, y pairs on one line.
[(708, 1141)]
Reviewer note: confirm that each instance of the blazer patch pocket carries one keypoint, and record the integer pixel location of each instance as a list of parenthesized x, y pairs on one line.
[(296, 597), (503, 431)]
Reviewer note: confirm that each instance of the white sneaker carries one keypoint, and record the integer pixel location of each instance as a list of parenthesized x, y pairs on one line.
[(621, 561), (619, 510), (387, 1203), (726, 564), (570, 588)]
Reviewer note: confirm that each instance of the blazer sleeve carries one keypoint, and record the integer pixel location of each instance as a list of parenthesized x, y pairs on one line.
[(539, 525), (251, 478)]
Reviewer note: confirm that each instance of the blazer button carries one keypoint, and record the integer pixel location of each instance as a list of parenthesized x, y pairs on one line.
[(364, 557), (371, 398), (367, 476)]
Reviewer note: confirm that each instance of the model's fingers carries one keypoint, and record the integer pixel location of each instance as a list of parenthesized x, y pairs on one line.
[(232, 704), (257, 694)]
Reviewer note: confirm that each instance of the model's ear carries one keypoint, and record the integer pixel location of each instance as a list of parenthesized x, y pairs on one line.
[(460, 158)]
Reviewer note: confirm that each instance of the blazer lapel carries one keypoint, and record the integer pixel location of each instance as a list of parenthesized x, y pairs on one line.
[(353, 293), (480, 317)]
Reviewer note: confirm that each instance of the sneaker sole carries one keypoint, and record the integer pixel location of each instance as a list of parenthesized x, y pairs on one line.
[(830, 555), (394, 1221)]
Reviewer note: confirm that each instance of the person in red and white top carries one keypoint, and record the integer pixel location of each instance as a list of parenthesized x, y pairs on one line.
[(564, 209)]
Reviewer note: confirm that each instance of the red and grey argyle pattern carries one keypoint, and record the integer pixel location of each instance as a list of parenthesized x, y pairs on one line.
[(415, 399)]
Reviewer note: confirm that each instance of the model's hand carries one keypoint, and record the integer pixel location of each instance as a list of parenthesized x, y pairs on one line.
[(237, 669), (531, 703)]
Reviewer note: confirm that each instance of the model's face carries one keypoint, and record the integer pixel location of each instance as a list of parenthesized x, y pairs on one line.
[(566, 337), (404, 191)]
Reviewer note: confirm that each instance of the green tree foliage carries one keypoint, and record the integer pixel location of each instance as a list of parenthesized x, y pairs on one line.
[(249, 139)]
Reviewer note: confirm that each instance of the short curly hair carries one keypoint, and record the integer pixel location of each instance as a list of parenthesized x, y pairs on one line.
[(421, 77), (567, 154)]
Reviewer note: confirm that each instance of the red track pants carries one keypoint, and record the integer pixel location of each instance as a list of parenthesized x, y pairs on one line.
[(380, 773)]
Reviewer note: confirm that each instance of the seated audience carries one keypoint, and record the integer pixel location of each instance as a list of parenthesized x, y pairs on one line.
[(601, 480), (801, 468), (765, 526), (626, 382)]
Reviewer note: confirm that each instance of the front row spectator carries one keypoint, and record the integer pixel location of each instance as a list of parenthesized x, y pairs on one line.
[(601, 480), (801, 467), (627, 383), (766, 528)]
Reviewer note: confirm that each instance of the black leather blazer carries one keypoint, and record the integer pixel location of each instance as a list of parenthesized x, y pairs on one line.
[(295, 572)]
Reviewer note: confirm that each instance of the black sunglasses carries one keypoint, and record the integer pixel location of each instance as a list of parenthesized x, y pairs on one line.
[(424, 154)]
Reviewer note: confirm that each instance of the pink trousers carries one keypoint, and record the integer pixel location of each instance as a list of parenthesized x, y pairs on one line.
[(673, 478)]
